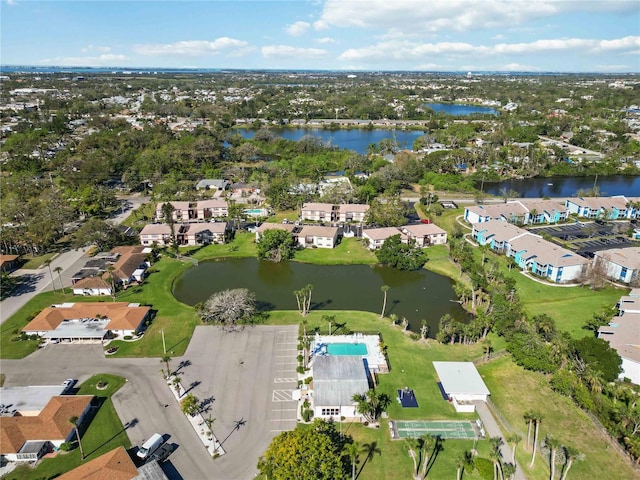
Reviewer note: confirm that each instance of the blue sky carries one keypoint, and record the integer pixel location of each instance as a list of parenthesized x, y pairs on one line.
[(423, 35)]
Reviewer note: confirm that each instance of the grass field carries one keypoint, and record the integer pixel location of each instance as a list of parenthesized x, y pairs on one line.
[(348, 252), (515, 391), (104, 433), (33, 263)]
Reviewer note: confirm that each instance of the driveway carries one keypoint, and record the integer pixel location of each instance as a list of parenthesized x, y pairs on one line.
[(249, 375)]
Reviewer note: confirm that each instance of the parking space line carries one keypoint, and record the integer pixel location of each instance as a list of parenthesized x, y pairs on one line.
[(281, 396), (285, 380)]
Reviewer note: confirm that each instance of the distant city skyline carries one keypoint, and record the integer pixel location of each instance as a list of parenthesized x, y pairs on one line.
[(414, 35)]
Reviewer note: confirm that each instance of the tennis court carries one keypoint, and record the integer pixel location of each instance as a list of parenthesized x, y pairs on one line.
[(441, 428)]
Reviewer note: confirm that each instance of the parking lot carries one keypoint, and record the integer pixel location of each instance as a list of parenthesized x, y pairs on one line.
[(247, 376), (585, 238)]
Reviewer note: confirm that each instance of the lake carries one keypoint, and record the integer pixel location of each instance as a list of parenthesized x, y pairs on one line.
[(567, 186), (414, 295), (461, 110), (352, 139)]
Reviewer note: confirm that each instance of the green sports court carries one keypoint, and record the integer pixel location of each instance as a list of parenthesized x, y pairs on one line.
[(442, 428)]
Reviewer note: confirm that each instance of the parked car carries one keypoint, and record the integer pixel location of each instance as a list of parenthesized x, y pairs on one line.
[(68, 383), (150, 446), (425, 220), (162, 453)]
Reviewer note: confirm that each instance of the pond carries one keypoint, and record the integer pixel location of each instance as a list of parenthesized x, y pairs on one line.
[(414, 295), (567, 186), (351, 139), (461, 110)]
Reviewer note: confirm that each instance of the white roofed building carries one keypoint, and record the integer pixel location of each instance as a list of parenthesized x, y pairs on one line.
[(462, 383)]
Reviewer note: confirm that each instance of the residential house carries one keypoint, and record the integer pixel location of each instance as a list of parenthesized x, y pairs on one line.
[(88, 322), (28, 438), (212, 184), (202, 211), (8, 262), (191, 234), (304, 235), (92, 286), (623, 334), (496, 234), (609, 208), (425, 235), (115, 465), (377, 236), (316, 236), (336, 379), (327, 212), (462, 384), (621, 264), (130, 266), (518, 212), (546, 259)]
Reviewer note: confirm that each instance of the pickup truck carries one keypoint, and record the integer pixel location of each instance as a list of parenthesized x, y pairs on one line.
[(162, 453)]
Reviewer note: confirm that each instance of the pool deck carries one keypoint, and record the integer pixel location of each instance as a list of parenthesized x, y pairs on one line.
[(375, 358)]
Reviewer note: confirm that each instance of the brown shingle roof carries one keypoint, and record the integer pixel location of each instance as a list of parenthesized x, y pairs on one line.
[(91, 282), (113, 465), (52, 423)]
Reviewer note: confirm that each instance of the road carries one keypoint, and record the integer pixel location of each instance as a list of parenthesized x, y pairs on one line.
[(247, 375), (33, 282)]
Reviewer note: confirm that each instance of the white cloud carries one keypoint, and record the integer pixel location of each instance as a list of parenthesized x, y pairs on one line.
[(104, 60), (320, 25), (298, 28), (289, 52), (435, 15), (194, 48), (325, 40), (11, 2), (498, 37), (412, 50), (96, 48)]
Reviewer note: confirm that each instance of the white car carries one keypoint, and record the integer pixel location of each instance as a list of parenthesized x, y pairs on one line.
[(68, 383)]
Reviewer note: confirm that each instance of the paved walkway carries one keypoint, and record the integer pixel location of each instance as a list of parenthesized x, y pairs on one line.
[(492, 429)]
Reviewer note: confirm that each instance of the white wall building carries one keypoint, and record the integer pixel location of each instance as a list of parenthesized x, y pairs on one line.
[(462, 383)]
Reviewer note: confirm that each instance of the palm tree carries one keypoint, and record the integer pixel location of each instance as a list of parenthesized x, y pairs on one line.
[(426, 441), (412, 447), (352, 450), (553, 445), (166, 359), (514, 439), (572, 455), (528, 417), (47, 262), (176, 385), (58, 270), (508, 471), (495, 457), (74, 421), (385, 289), (537, 419)]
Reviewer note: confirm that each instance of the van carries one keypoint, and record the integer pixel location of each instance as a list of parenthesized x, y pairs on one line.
[(150, 445)]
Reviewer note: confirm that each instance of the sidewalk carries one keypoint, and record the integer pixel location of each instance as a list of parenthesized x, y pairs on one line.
[(492, 429)]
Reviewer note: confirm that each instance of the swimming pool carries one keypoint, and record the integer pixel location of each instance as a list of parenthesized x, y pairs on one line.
[(255, 211), (347, 349)]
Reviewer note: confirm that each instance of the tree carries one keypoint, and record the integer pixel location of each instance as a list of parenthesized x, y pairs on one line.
[(58, 270), (552, 444), (190, 405), (412, 449), (496, 456), (514, 439), (99, 233), (47, 262), (306, 454), (74, 421), (402, 256), (229, 308), (352, 450), (426, 442), (571, 455), (303, 299), (167, 214), (537, 419), (371, 404), (598, 355), (462, 461), (384, 289), (166, 359), (528, 417), (276, 245)]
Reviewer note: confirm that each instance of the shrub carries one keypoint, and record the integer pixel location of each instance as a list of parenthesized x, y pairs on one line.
[(127, 337), (307, 415), (300, 358), (300, 369), (65, 446), (308, 380)]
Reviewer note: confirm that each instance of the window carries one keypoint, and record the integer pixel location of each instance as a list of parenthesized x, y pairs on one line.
[(330, 412)]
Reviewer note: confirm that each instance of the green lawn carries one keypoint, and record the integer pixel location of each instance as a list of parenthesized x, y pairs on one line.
[(348, 252), (104, 433), (440, 263), (515, 391), (243, 245), (291, 215), (36, 262)]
